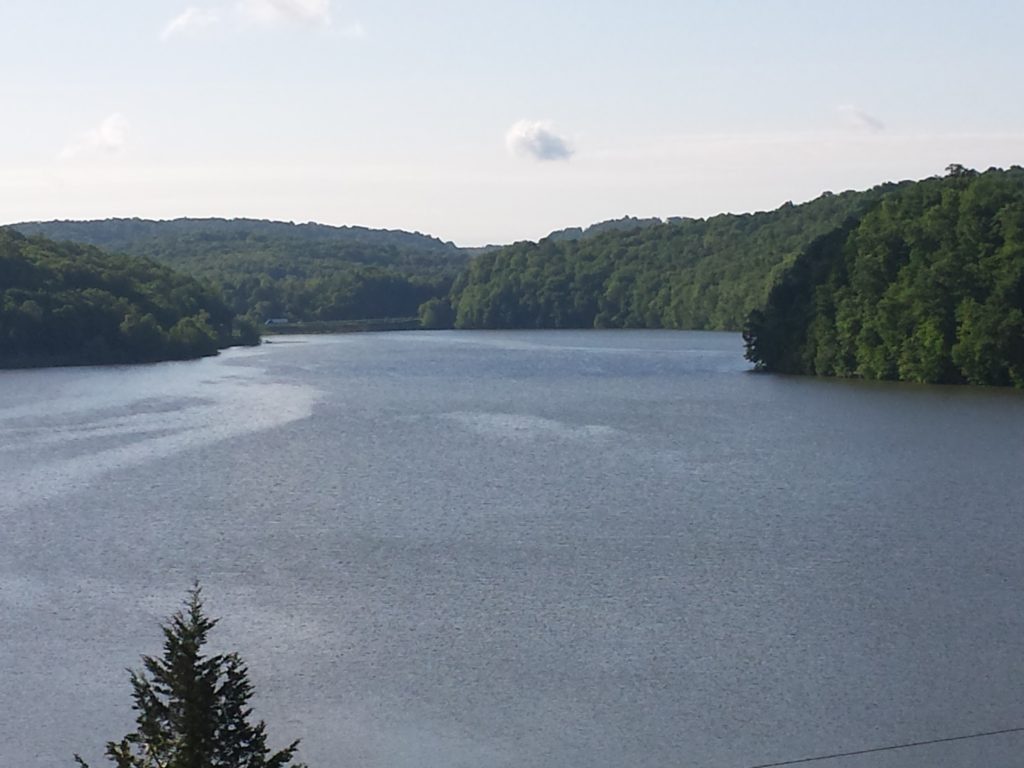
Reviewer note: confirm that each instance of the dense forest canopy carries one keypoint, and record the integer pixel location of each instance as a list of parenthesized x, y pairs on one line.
[(928, 286), (268, 269), (62, 303), (643, 273)]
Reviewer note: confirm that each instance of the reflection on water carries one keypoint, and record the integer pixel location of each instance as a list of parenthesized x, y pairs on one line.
[(62, 429)]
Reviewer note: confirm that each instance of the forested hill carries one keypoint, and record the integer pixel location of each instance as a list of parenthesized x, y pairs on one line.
[(164, 240), (927, 287), (304, 272), (684, 273), (65, 304)]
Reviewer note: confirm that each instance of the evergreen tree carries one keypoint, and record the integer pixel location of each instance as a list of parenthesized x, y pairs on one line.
[(193, 710)]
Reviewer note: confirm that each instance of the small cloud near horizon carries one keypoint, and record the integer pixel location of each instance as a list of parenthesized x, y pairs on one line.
[(108, 137), (191, 19), (537, 139), (858, 118)]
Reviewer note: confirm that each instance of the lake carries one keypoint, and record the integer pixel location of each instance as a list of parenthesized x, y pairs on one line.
[(599, 549)]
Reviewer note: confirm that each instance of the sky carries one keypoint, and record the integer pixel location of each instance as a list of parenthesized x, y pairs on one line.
[(489, 122)]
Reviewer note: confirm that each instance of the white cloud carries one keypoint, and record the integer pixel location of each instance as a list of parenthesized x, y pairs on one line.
[(317, 12), (192, 18), (108, 137), (537, 139), (857, 118)]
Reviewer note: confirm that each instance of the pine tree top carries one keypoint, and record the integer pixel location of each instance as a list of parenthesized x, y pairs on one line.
[(192, 710)]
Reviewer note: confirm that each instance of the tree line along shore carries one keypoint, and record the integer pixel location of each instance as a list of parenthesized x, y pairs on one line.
[(917, 281)]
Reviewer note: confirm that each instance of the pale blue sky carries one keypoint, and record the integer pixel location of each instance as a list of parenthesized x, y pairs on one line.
[(490, 122)]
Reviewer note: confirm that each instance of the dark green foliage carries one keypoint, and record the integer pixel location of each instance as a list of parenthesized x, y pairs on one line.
[(436, 313), (625, 224), (771, 333), (927, 287), (71, 304), (634, 273), (267, 269), (193, 710)]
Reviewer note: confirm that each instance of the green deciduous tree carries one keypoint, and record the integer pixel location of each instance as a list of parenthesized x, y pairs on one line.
[(193, 710), (436, 313)]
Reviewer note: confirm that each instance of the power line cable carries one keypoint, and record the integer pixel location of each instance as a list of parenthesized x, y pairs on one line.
[(889, 748)]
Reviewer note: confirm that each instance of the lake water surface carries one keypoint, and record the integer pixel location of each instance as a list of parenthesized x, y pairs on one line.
[(522, 549)]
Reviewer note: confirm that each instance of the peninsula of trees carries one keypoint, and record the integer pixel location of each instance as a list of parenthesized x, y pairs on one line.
[(66, 304), (927, 286)]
